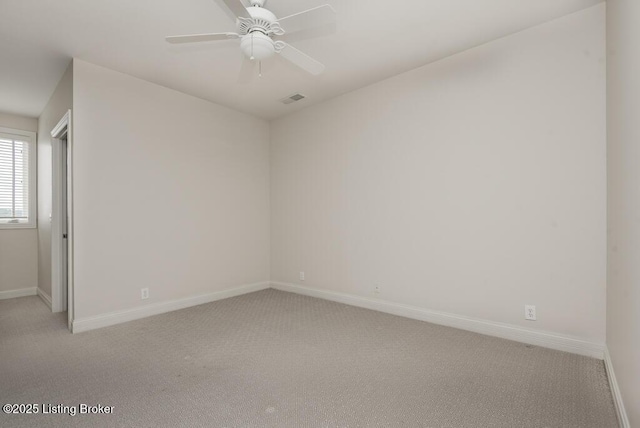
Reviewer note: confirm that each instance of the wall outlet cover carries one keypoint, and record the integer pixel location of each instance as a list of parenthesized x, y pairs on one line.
[(530, 312)]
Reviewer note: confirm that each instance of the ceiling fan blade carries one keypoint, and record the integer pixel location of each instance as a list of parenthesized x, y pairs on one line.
[(234, 8), (247, 71), (193, 38), (310, 33), (318, 16), (301, 59)]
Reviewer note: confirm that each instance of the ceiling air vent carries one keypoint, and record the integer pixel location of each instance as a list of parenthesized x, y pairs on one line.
[(292, 99)]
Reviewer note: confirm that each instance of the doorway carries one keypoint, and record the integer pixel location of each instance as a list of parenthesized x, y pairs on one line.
[(62, 298)]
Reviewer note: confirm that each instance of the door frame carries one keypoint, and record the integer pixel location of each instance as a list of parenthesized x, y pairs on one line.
[(63, 130)]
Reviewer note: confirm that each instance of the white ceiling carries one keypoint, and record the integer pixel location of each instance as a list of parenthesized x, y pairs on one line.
[(374, 39)]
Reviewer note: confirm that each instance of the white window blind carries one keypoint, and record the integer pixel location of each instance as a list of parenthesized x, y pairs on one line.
[(15, 181)]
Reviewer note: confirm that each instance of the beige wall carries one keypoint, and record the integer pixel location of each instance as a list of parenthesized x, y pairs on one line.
[(474, 185), (623, 288), (18, 122), (59, 103), (170, 192), (18, 247)]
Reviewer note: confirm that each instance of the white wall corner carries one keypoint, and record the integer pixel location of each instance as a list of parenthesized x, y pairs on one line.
[(91, 323), (45, 297), (21, 292), (505, 331), (623, 419)]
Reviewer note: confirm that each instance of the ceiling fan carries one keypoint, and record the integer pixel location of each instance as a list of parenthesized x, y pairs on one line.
[(257, 28)]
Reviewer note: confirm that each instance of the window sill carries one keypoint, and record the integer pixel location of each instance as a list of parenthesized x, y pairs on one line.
[(16, 226)]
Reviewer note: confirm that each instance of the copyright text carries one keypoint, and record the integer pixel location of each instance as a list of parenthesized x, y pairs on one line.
[(56, 409)]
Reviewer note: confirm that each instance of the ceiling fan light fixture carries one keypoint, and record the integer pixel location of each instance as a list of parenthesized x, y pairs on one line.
[(257, 46)]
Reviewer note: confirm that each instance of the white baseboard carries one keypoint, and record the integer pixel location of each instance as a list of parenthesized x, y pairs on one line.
[(91, 323), (21, 292), (623, 419), (490, 328), (505, 331), (45, 297)]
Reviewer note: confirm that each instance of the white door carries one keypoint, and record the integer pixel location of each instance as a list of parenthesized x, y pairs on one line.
[(65, 225)]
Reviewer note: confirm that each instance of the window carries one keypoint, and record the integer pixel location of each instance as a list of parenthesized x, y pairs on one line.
[(17, 179)]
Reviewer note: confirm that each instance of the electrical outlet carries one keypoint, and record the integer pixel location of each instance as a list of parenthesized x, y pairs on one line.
[(301, 276), (530, 312), (376, 290), (144, 293)]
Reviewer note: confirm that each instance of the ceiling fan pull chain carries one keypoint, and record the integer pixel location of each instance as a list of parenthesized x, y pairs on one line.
[(252, 57)]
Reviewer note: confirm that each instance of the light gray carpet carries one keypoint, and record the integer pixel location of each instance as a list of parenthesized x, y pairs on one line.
[(277, 359)]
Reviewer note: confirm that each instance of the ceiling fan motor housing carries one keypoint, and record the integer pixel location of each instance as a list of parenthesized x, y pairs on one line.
[(256, 32)]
